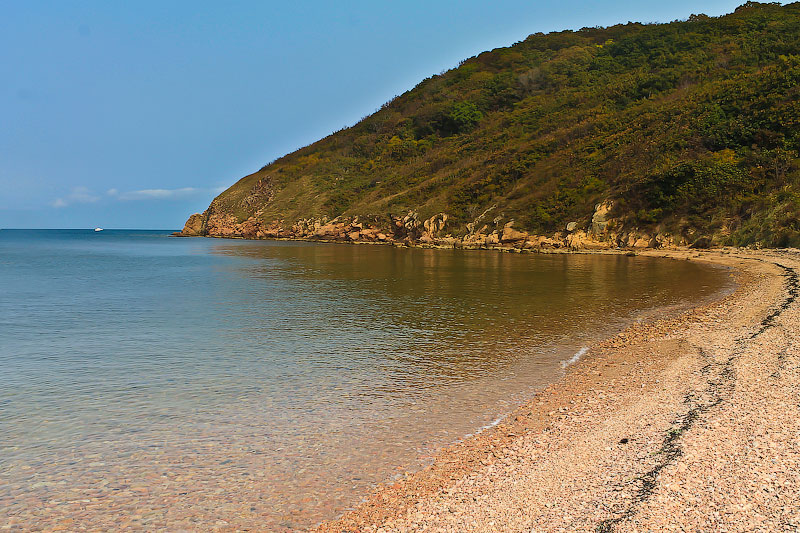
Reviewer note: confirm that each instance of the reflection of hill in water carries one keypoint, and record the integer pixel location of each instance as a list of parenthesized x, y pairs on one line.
[(454, 313), (270, 382)]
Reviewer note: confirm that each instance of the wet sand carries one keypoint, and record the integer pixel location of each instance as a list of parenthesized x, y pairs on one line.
[(686, 423)]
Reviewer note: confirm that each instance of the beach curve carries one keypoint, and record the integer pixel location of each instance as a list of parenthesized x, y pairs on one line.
[(688, 422)]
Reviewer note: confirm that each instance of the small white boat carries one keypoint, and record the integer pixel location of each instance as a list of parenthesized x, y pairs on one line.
[(98, 229)]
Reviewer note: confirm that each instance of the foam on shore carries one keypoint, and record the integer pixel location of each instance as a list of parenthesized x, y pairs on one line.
[(575, 358), (490, 425)]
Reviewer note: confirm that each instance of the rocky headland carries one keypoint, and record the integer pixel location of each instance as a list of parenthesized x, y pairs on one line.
[(634, 135)]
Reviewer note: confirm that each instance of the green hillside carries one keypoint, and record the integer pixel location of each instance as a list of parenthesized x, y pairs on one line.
[(690, 129)]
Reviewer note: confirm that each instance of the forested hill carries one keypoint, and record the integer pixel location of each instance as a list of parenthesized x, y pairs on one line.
[(683, 132)]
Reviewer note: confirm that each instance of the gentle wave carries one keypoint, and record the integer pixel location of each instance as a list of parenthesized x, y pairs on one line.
[(575, 358), (490, 425)]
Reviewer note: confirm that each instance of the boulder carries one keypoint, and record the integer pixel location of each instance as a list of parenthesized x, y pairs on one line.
[(576, 240), (435, 224), (642, 241), (510, 235), (474, 240)]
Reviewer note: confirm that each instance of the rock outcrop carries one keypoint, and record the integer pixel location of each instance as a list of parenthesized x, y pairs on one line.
[(603, 232), (601, 219), (194, 227)]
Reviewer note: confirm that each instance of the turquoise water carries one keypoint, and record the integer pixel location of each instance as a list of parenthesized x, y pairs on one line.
[(201, 383)]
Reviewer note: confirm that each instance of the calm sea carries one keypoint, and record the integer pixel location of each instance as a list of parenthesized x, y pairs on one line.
[(155, 382)]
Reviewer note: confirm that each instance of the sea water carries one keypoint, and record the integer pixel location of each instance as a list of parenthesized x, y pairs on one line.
[(155, 382)]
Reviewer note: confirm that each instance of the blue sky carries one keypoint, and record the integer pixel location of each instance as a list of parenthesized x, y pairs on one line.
[(136, 114)]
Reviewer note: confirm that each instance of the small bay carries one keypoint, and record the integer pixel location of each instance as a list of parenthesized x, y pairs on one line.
[(191, 383)]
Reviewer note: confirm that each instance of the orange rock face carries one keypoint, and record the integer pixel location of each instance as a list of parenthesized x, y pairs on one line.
[(411, 230)]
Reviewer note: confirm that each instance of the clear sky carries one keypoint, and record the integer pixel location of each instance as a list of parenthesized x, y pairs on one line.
[(136, 114)]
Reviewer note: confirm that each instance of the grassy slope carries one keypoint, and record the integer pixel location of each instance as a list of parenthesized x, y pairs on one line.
[(691, 127)]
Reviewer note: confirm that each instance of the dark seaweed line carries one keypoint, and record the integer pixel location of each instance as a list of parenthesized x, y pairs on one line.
[(724, 381)]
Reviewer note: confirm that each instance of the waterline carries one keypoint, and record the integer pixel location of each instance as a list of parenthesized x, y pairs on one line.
[(575, 358)]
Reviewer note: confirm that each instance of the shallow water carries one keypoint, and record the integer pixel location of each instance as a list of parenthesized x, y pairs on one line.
[(172, 383)]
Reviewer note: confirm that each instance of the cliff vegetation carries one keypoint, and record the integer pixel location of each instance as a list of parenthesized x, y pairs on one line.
[(631, 135)]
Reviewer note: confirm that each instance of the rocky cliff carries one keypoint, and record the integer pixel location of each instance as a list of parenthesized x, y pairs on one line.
[(409, 230)]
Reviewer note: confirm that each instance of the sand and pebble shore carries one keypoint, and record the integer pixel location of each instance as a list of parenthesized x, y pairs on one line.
[(689, 423)]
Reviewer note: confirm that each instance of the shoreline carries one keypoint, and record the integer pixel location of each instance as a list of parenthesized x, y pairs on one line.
[(605, 249), (562, 460)]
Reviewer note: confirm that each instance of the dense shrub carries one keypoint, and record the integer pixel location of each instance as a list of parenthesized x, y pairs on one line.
[(688, 125)]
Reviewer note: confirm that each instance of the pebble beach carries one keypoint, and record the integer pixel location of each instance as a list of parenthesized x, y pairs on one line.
[(686, 423)]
